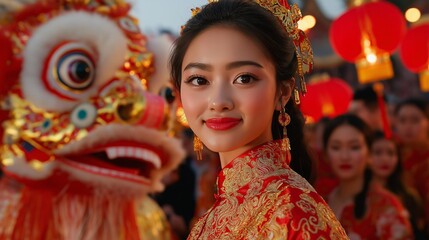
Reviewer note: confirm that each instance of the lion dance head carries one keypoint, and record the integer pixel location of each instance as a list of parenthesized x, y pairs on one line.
[(84, 139)]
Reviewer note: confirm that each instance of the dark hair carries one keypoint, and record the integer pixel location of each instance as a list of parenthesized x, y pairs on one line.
[(395, 184), (260, 24), (368, 96), (361, 126), (421, 104)]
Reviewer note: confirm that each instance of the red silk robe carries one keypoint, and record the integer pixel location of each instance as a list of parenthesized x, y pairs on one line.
[(260, 197), (385, 218)]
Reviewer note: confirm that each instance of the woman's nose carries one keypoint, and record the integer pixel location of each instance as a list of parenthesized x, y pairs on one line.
[(221, 98), (345, 154)]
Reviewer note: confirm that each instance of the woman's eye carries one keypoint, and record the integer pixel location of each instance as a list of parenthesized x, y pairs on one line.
[(415, 120), (391, 153), (244, 79), (376, 152), (334, 148), (197, 81), (355, 148)]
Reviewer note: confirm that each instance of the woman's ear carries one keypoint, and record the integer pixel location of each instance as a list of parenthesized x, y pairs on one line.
[(286, 88)]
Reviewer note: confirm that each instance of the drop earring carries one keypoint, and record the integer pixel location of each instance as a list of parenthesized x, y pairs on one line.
[(284, 120), (198, 147)]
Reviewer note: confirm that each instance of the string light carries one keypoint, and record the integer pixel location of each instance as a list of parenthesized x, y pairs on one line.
[(412, 15), (307, 22)]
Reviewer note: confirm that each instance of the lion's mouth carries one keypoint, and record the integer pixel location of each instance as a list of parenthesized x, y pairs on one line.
[(125, 160)]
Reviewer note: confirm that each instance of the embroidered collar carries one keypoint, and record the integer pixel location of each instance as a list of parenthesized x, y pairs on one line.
[(257, 164)]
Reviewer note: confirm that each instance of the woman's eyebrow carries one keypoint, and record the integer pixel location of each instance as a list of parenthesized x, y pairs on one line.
[(238, 64), (230, 66), (201, 66)]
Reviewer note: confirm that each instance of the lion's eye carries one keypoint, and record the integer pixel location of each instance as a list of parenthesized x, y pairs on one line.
[(70, 69), (76, 70)]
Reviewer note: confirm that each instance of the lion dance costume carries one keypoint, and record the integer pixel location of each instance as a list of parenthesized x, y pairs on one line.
[(84, 140)]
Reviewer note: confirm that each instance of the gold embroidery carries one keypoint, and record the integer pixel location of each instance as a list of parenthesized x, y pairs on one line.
[(151, 221), (324, 216), (260, 197)]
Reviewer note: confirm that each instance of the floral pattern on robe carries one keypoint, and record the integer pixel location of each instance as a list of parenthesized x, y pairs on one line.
[(260, 197)]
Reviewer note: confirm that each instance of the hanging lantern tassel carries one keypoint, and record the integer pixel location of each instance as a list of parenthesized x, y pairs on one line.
[(424, 80), (373, 68), (379, 89)]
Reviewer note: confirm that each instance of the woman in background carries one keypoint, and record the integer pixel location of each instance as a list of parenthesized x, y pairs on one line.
[(366, 211), (388, 173), (412, 129)]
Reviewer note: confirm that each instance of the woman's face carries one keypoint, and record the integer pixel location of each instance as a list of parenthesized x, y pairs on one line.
[(411, 125), (347, 152), (228, 90), (384, 158)]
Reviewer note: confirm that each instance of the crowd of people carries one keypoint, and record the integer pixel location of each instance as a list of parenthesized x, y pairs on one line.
[(373, 183), (363, 158)]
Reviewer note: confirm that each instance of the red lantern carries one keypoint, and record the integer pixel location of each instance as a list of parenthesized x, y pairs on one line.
[(415, 52), (366, 35), (326, 98)]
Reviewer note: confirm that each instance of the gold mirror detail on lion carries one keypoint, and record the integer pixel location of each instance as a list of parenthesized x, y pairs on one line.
[(84, 138)]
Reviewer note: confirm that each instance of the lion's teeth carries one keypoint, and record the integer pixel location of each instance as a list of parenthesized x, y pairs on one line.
[(134, 152)]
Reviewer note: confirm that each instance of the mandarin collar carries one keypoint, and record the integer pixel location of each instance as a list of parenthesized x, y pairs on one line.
[(256, 164)]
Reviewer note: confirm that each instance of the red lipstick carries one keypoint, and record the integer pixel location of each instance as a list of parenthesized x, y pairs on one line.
[(345, 166), (222, 123), (385, 167)]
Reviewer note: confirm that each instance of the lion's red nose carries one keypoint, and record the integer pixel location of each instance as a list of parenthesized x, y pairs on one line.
[(148, 110)]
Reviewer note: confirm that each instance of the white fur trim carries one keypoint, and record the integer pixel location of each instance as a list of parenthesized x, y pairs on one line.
[(160, 46), (98, 32), (23, 169)]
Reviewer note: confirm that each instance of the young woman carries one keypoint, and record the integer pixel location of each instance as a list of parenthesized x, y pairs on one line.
[(412, 128), (365, 211), (388, 173), (325, 177), (234, 65)]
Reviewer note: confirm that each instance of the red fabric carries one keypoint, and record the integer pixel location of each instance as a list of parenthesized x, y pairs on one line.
[(383, 112), (385, 218), (36, 9), (259, 196), (9, 66), (386, 126), (35, 215), (32, 213), (284, 3)]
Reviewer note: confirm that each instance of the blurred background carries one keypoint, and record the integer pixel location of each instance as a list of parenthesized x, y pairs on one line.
[(318, 15)]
